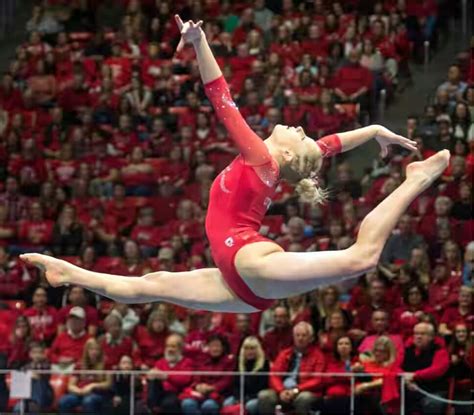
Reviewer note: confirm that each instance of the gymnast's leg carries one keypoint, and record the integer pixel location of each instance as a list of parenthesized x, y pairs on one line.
[(272, 273), (201, 289)]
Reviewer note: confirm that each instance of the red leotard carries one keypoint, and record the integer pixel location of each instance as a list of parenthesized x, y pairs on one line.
[(242, 192)]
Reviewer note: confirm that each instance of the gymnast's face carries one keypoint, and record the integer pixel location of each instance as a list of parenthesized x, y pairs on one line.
[(301, 153)]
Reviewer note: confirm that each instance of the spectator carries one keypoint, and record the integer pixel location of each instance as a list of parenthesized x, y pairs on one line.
[(121, 390), (41, 392), (18, 343), (380, 325), (280, 336), (354, 82), (426, 361), (16, 204), (338, 388), (77, 297), (297, 307), (164, 389), (43, 318), (454, 85), (415, 306), (115, 343), (35, 233), (462, 205), (463, 312), (242, 330), (68, 233), (206, 391), (399, 245), (251, 359), (7, 229), (67, 347), (131, 263), (336, 325), (376, 395), (128, 315), (138, 175), (294, 391), (151, 339), (444, 288), (88, 390), (376, 300), (14, 277)]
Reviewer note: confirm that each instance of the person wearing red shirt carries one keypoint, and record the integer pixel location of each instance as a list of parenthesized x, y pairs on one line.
[(338, 388), (120, 67), (124, 138), (132, 262), (77, 298), (295, 391), (67, 347), (325, 118), (138, 175), (242, 330), (462, 313), (316, 43), (16, 203), (296, 234), (15, 279), (246, 25), (151, 339), (380, 323), (63, 170), (444, 288), (198, 334), (29, 167), (207, 391), (118, 207), (36, 231), (353, 81), (415, 306), (146, 233), (280, 336), (115, 344), (7, 229), (163, 388), (10, 97), (42, 317), (75, 97), (336, 325), (442, 209)]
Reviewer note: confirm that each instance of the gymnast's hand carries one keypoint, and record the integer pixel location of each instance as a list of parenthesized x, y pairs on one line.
[(385, 137), (190, 32)]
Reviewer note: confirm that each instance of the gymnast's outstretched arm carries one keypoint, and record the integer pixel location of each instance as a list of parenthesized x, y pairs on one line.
[(384, 137), (250, 145)]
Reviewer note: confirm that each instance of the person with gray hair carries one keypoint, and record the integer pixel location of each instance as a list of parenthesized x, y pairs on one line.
[(426, 363), (115, 343), (296, 390)]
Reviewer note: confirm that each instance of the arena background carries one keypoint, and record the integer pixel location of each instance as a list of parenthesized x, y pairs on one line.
[(107, 150)]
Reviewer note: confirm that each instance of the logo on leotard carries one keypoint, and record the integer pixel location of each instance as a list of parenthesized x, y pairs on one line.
[(222, 183), (267, 202), (229, 242)]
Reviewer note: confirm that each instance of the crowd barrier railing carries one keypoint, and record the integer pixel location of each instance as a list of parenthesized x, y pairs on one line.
[(134, 374)]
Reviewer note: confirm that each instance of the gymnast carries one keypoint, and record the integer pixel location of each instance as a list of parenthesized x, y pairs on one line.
[(253, 271)]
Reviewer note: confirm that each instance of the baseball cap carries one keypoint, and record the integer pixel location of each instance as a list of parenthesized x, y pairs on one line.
[(77, 312)]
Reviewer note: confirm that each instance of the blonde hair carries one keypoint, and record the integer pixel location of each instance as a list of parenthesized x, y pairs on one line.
[(252, 341), (86, 360), (386, 342), (309, 192)]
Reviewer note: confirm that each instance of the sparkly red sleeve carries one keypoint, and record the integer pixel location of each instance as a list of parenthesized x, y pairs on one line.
[(250, 145), (330, 145)]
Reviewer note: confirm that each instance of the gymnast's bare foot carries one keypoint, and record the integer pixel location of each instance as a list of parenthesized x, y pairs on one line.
[(56, 270), (427, 171)]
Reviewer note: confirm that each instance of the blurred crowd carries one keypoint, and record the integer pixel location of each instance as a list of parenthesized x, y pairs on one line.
[(108, 148)]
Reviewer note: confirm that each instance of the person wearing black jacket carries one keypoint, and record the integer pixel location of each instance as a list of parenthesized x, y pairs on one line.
[(251, 359)]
